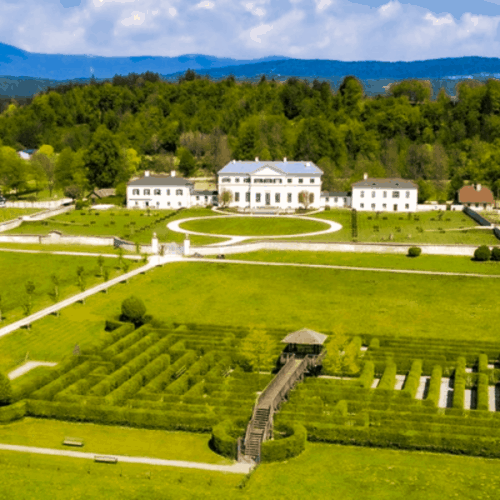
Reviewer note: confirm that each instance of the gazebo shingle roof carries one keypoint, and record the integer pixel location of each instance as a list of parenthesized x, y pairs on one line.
[(305, 337)]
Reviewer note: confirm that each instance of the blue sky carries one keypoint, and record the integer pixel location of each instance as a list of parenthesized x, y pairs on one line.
[(247, 29)]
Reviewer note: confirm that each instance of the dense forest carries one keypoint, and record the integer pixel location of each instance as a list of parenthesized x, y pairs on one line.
[(102, 133)]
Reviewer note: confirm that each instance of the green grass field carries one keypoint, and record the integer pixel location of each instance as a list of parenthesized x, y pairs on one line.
[(18, 268), (438, 263), (110, 440), (63, 248), (281, 297), (321, 472), (254, 226), (431, 229), (14, 213), (132, 225)]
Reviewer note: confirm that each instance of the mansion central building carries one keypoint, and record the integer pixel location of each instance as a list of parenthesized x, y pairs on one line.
[(275, 184)]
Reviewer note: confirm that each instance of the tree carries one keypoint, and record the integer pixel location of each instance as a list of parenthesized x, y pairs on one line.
[(258, 349), (54, 294), (341, 354), (104, 159), (44, 160), (187, 163), (414, 90), (5, 390), (73, 191), (12, 170), (105, 276), (133, 310), (225, 197), (100, 263), (81, 282), (305, 197)]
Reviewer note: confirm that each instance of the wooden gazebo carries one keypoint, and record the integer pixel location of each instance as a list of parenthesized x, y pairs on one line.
[(303, 343)]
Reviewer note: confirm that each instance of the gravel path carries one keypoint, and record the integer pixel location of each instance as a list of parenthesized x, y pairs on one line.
[(26, 367), (400, 380), (375, 383), (238, 468), (423, 387), (446, 394), (467, 399), (492, 393)]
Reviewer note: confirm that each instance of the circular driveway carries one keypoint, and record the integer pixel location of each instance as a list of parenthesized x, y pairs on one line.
[(175, 226)]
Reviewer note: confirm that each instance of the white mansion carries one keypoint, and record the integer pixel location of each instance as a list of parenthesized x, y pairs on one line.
[(273, 184), (172, 192)]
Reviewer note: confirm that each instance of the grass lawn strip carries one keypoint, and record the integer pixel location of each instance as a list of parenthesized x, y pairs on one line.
[(62, 248), (253, 226), (111, 440), (437, 263), (18, 268), (7, 214), (73, 253)]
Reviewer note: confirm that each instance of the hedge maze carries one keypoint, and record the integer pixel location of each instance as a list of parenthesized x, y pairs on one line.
[(181, 378), (368, 410)]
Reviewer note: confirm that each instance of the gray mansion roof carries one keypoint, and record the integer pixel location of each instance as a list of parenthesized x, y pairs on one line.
[(385, 183), (156, 180), (285, 167)]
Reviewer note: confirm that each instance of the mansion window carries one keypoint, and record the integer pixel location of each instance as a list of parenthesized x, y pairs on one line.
[(374, 193), (289, 181), (385, 194), (311, 198), (226, 179), (236, 196), (345, 200), (168, 203), (178, 192), (247, 196), (407, 205), (289, 197), (268, 181), (301, 181), (395, 194), (327, 199), (384, 205), (147, 191), (157, 192), (206, 198), (246, 179), (135, 191), (362, 194), (257, 197), (237, 179), (311, 180), (362, 205), (373, 206), (197, 198), (335, 200), (407, 194), (168, 192), (277, 197)]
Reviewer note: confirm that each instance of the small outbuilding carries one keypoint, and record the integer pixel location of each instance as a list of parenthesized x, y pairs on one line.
[(303, 343), (479, 197)]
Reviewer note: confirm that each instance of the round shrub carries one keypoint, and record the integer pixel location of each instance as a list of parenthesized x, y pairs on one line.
[(414, 251), (495, 254), (133, 309), (482, 253), (282, 449), (5, 390)]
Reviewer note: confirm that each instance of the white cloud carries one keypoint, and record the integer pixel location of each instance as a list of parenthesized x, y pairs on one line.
[(322, 4), (205, 4), (136, 18), (172, 11), (389, 9), (255, 33), (448, 19)]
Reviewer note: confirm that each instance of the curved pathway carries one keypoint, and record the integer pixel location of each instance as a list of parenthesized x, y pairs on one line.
[(175, 226), (237, 468)]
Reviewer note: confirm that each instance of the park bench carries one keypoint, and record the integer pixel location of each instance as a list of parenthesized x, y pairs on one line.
[(105, 459), (180, 372), (70, 441)]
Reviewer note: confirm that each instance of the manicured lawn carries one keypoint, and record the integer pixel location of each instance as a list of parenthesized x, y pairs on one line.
[(14, 213), (281, 297), (493, 217), (253, 226), (18, 268), (330, 471), (438, 263), (399, 226), (110, 440), (131, 225), (321, 472)]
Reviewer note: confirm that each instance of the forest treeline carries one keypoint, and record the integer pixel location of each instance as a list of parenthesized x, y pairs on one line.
[(102, 133)]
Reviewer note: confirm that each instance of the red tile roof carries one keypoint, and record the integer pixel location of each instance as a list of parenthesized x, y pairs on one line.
[(469, 195)]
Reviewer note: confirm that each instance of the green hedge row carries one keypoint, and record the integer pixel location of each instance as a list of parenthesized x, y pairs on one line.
[(159, 383), (124, 343), (97, 347), (459, 384), (225, 437), (12, 412), (115, 415), (134, 350), (388, 380), (482, 363), (278, 450), (434, 392), (483, 396), (413, 380), (367, 375), (50, 390)]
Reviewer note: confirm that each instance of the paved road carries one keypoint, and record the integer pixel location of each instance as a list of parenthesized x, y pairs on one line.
[(26, 367), (343, 268), (237, 468)]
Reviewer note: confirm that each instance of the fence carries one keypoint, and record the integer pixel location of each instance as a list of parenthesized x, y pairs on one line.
[(478, 218), (38, 204)]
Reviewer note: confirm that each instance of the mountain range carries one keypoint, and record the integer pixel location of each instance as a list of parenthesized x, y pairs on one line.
[(26, 73)]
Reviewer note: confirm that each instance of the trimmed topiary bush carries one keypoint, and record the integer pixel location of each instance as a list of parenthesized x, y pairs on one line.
[(495, 254), (414, 251), (482, 253), (133, 310)]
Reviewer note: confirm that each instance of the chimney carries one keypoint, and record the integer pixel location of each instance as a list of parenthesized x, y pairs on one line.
[(256, 158), (365, 176), (478, 187), (146, 173), (284, 159), (172, 173)]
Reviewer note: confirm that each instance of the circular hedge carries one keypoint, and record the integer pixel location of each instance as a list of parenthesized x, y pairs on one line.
[(293, 445), (225, 436)]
